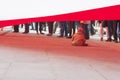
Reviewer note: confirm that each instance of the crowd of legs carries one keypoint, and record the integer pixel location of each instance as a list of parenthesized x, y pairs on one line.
[(69, 28)]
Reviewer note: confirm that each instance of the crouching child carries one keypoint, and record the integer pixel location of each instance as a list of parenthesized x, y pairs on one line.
[(78, 39)]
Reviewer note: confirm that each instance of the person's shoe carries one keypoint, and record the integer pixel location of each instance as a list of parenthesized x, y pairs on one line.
[(49, 34), (37, 33), (60, 36), (87, 38), (69, 37), (41, 33), (109, 40), (104, 33), (25, 32), (15, 31), (115, 41), (101, 39), (32, 29), (93, 33), (119, 41)]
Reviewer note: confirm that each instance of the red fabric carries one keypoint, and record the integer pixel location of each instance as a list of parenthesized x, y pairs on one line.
[(106, 13)]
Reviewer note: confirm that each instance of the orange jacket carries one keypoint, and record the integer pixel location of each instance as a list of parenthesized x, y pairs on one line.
[(78, 39)]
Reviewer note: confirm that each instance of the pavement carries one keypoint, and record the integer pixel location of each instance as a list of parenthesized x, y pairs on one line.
[(41, 57)]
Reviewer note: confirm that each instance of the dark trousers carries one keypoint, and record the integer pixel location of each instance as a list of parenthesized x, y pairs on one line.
[(110, 27), (38, 27), (119, 29), (115, 30), (63, 28), (92, 30), (71, 28), (27, 28), (86, 31), (50, 27), (16, 28)]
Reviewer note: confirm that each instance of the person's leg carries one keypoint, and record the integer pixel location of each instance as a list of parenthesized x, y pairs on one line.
[(16, 28), (66, 29), (55, 25), (107, 33), (86, 31), (73, 27), (109, 29), (40, 27), (32, 26), (50, 26), (92, 31), (118, 29), (101, 32), (69, 29), (27, 28), (61, 29), (115, 31), (77, 23), (36, 27)]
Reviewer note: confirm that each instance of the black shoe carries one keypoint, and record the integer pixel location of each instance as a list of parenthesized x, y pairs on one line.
[(25, 32), (37, 33), (87, 37), (109, 40), (15, 31), (49, 34), (101, 39), (69, 37), (115, 41), (32, 29), (41, 33), (60, 36), (93, 33)]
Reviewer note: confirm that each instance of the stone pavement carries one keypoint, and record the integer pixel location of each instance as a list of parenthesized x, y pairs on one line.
[(40, 57)]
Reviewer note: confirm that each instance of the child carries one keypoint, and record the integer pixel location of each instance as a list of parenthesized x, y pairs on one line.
[(78, 39)]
